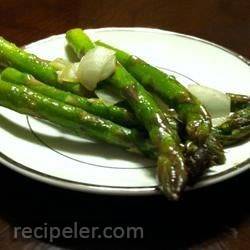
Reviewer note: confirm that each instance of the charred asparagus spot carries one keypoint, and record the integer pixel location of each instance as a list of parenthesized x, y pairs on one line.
[(26, 101), (199, 158), (239, 101), (93, 106), (11, 55)]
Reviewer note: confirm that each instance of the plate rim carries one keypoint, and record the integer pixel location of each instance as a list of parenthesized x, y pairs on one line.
[(101, 189)]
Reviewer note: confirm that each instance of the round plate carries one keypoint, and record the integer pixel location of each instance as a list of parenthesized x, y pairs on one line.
[(41, 151)]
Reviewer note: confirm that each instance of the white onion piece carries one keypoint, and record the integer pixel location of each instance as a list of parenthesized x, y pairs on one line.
[(218, 121), (69, 73), (97, 65), (60, 63), (217, 103), (108, 97)]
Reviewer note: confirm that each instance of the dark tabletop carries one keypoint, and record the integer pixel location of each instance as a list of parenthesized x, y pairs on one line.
[(216, 217)]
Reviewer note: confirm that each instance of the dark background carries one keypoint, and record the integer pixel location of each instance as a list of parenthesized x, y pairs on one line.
[(216, 217)]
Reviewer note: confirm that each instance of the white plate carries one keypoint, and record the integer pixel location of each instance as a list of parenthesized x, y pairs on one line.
[(41, 151)]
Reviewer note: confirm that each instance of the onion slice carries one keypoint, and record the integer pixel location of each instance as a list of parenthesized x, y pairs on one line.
[(69, 73), (107, 96), (97, 65), (218, 121), (216, 102), (60, 63)]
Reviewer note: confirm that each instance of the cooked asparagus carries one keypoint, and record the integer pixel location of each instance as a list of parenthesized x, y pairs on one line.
[(26, 101), (171, 163), (176, 164), (209, 146), (11, 55), (93, 106), (239, 101), (235, 129), (79, 44), (189, 109)]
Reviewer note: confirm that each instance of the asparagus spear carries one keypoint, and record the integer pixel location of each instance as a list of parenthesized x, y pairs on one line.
[(171, 163), (26, 101), (114, 113), (79, 44), (155, 79), (11, 55), (235, 129), (239, 101), (205, 151), (189, 109), (93, 106)]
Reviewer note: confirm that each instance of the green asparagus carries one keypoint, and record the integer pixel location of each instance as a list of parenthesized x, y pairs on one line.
[(10, 55), (189, 109), (93, 106), (79, 44), (239, 101), (26, 101), (171, 163), (96, 107), (209, 147), (235, 129), (176, 164)]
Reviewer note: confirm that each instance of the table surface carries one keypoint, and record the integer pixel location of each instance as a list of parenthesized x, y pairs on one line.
[(216, 217)]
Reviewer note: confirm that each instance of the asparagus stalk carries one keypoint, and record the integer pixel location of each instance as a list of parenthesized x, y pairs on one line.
[(150, 76), (171, 163), (195, 155), (26, 101), (206, 150), (93, 106), (79, 44), (11, 55), (189, 109), (232, 131), (239, 101), (121, 115), (235, 129)]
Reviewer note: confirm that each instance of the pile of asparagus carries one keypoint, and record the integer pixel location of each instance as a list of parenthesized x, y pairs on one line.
[(162, 119)]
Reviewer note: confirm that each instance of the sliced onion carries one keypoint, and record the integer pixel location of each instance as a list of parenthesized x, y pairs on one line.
[(69, 73), (97, 65), (59, 63), (218, 121), (107, 96), (216, 102)]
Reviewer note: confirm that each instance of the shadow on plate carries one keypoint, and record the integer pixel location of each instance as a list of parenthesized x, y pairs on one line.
[(201, 219)]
